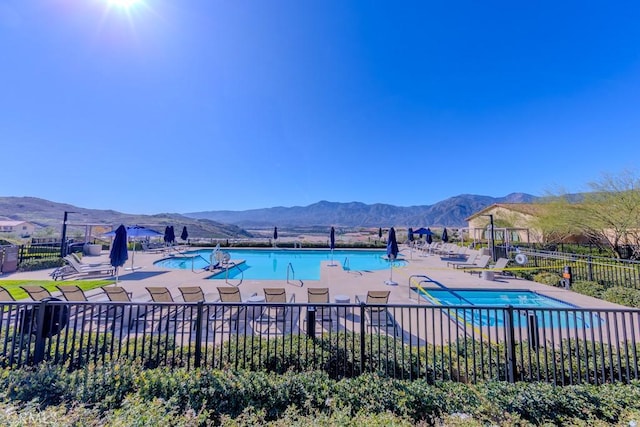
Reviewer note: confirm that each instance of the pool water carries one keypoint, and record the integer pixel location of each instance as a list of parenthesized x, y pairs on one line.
[(533, 303), (272, 264)]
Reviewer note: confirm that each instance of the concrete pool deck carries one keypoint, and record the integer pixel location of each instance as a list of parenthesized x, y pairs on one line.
[(340, 282)]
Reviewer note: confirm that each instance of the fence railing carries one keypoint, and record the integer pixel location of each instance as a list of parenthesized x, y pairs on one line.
[(460, 343), (38, 251), (606, 271)]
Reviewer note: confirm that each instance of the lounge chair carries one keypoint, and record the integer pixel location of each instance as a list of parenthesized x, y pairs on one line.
[(75, 268), (95, 312), (499, 267), (35, 292), (168, 314), (469, 261), (378, 316), (481, 262), (191, 293), (5, 295), (275, 314), (130, 313), (234, 314), (320, 296)]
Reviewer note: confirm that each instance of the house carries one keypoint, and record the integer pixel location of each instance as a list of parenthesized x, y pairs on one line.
[(20, 228), (513, 223)]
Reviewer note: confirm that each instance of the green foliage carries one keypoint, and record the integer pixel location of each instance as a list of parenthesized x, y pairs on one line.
[(586, 287), (547, 278), (13, 286), (127, 394), (34, 264), (623, 296)]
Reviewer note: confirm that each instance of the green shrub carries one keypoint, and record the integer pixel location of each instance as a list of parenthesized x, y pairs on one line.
[(547, 278), (40, 264), (586, 287), (623, 296)]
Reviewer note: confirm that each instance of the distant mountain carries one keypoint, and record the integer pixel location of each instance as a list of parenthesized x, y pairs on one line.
[(450, 212), (45, 213)]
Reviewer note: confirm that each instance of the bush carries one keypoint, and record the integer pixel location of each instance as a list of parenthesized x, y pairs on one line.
[(547, 278), (623, 296), (40, 264), (586, 287)]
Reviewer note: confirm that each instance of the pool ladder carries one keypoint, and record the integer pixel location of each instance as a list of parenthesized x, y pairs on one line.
[(345, 264), (231, 265), (293, 274)]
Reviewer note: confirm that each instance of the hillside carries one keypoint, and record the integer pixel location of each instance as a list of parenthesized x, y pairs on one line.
[(450, 212), (45, 213)]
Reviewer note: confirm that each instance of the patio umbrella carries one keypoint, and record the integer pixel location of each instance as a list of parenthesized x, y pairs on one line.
[(184, 235), (119, 253), (410, 238), (423, 231), (332, 243), (134, 232), (429, 239), (166, 234), (172, 235), (380, 233), (392, 254), (445, 236)]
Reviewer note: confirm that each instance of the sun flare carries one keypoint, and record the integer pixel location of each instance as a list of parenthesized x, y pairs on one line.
[(124, 4)]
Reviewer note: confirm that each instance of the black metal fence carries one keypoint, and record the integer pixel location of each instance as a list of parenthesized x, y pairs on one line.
[(409, 341), (607, 271), (38, 251)]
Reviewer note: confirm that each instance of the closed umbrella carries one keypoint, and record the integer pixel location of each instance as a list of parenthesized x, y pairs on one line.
[(134, 232), (410, 238), (185, 235), (166, 235), (445, 235), (172, 235), (429, 239), (119, 252), (332, 243), (392, 254)]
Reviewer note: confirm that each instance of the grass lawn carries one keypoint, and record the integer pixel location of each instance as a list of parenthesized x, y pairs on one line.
[(13, 286)]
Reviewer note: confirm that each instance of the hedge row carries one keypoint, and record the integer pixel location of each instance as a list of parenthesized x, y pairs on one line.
[(201, 397)]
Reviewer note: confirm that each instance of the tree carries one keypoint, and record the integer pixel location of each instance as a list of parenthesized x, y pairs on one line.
[(609, 214)]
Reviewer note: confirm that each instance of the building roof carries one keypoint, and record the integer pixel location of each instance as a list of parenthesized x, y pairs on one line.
[(12, 223), (532, 209)]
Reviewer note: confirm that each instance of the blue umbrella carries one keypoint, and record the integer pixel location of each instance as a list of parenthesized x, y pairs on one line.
[(185, 234), (172, 235), (166, 234), (410, 234), (445, 236), (429, 239), (275, 233), (392, 253), (423, 231), (119, 252)]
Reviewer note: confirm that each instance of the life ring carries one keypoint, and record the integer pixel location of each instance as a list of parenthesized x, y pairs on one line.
[(521, 259)]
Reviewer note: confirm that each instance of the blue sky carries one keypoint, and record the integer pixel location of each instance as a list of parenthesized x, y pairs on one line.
[(189, 105)]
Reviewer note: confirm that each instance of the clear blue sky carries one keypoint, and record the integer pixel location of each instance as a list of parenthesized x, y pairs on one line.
[(189, 105)]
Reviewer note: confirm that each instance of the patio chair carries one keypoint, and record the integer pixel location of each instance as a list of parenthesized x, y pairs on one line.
[(320, 296), (5, 295), (36, 292), (74, 293), (481, 262), (378, 316), (275, 315), (192, 293), (130, 313), (8, 311), (234, 314), (470, 260), (160, 314), (74, 267), (499, 267)]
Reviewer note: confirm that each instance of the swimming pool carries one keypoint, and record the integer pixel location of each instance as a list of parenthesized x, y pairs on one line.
[(263, 264), (530, 302)]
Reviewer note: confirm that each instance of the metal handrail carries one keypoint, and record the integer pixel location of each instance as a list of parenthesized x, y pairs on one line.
[(293, 273), (226, 278), (345, 264)]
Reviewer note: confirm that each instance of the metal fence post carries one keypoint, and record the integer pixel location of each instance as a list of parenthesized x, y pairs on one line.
[(589, 269), (311, 322), (38, 355), (362, 341), (510, 343), (198, 352)]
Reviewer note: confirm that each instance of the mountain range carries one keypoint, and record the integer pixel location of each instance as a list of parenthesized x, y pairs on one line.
[(233, 224), (451, 212)]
